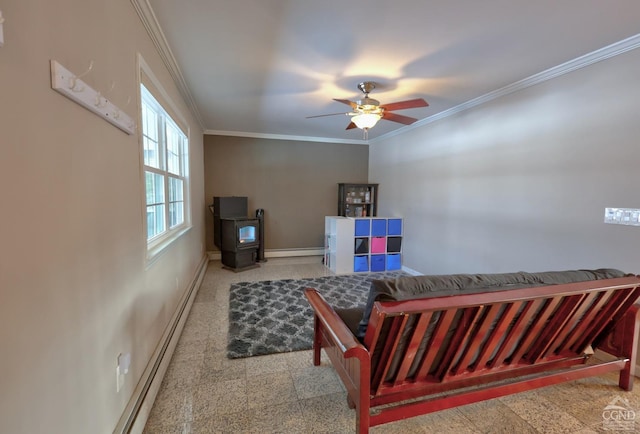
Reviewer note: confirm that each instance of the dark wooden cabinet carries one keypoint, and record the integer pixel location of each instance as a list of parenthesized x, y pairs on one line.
[(357, 200)]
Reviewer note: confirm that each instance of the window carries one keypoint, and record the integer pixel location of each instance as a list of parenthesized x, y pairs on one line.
[(166, 168)]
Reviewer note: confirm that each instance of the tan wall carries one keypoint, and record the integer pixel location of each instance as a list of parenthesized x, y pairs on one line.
[(521, 183), (296, 183), (75, 290)]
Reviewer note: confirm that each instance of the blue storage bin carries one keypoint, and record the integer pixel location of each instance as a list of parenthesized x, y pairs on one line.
[(394, 262), (395, 227), (360, 263), (377, 262), (362, 227), (378, 227)]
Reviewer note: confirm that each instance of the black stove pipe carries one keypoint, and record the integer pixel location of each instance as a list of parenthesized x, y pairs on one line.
[(260, 217)]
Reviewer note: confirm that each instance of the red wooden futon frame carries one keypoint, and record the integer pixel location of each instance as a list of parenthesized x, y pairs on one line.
[(478, 346)]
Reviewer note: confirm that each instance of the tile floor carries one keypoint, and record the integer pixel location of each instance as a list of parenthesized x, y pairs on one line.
[(204, 392)]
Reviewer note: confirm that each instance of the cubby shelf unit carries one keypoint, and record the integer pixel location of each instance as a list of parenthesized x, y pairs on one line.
[(363, 244)]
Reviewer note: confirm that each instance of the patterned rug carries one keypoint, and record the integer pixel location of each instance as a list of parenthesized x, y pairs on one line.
[(273, 316)]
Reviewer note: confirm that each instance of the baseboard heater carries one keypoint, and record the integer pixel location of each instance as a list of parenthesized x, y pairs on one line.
[(137, 411)]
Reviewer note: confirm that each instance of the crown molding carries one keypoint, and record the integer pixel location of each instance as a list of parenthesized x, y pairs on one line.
[(607, 52), (285, 137), (150, 22)]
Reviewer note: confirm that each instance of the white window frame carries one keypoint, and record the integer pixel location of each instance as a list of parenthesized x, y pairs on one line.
[(159, 241)]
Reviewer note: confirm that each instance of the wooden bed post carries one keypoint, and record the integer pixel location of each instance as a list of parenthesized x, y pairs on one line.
[(630, 326), (317, 340), (363, 405)]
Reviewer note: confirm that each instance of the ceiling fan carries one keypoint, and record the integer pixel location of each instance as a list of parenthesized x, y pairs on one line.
[(368, 111)]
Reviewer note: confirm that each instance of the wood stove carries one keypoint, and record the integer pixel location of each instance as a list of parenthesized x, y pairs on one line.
[(236, 235), (240, 241)]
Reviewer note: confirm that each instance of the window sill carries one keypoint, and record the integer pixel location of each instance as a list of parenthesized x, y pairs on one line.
[(159, 247)]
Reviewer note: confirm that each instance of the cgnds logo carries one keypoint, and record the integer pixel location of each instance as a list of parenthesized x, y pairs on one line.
[(618, 416)]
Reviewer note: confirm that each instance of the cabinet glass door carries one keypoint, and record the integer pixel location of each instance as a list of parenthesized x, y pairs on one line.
[(357, 200)]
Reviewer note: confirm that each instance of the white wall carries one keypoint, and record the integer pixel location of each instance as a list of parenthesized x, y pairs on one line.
[(75, 290), (521, 183)]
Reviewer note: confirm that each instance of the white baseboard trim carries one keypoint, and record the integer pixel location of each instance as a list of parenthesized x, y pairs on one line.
[(411, 271), (277, 253), (137, 412), (286, 253)]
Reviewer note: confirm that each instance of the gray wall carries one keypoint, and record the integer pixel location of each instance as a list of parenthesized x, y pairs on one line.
[(294, 182), (521, 183), (76, 290)]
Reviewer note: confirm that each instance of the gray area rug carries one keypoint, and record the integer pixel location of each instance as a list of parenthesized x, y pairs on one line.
[(273, 316)]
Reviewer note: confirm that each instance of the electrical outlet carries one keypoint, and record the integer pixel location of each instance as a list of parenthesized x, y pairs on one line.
[(122, 368)]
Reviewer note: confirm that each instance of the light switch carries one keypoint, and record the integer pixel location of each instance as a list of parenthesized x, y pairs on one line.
[(622, 216)]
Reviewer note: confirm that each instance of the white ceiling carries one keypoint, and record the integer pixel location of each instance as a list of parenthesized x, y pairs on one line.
[(259, 67)]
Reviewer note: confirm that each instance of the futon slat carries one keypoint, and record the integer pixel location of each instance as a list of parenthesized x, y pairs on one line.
[(398, 325), (619, 302), (591, 324), (497, 335), (439, 334), (613, 301), (583, 326), (548, 338), (464, 332), (515, 334), (536, 327), (414, 344), (561, 328), (490, 316), (372, 335), (569, 331)]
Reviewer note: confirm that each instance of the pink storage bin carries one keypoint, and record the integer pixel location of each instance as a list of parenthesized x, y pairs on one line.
[(378, 245)]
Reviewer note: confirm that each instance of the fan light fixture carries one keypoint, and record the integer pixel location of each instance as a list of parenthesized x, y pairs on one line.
[(366, 120), (366, 112)]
